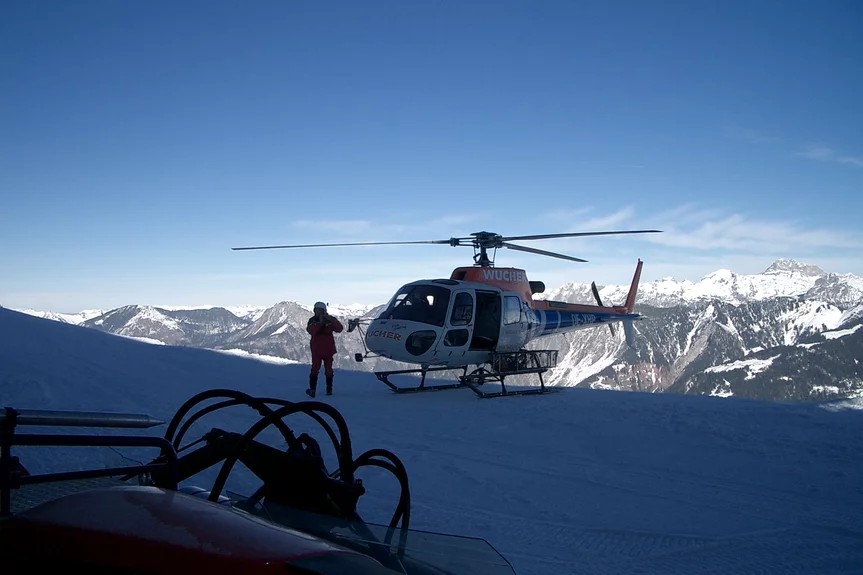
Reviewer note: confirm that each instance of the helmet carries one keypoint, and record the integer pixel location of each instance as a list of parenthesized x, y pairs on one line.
[(321, 305)]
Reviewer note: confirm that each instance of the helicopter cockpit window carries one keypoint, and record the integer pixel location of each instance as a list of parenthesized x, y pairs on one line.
[(422, 303), (462, 309)]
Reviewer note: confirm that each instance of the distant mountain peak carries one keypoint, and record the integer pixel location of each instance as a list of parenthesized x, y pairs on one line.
[(783, 266), (720, 275)]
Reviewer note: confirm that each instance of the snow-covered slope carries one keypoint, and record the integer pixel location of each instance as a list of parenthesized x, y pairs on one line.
[(582, 481)]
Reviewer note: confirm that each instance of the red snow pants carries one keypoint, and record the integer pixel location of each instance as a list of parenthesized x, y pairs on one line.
[(316, 364)]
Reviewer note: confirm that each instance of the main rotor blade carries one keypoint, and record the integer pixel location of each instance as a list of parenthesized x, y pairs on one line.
[(346, 244), (541, 252), (579, 234)]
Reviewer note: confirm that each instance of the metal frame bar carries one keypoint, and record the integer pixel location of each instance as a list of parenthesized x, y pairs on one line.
[(12, 418)]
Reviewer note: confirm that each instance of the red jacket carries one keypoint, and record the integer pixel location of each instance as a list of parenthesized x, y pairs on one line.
[(323, 343)]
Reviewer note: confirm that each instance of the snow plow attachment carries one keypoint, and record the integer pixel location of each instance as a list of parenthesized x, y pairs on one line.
[(301, 521)]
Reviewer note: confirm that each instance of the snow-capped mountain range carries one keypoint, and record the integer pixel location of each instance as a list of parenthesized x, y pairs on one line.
[(790, 332), (250, 312), (784, 278)]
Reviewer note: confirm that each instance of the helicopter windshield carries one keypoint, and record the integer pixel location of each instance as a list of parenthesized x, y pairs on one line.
[(420, 303)]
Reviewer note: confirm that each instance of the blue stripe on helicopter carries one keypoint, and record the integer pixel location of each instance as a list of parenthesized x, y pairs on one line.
[(558, 320)]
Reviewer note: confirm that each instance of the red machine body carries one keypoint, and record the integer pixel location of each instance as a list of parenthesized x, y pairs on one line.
[(162, 532)]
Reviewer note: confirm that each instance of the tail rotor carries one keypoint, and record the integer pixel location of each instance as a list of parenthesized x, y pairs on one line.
[(599, 302)]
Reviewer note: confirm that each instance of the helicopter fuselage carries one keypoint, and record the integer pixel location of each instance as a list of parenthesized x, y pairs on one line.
[(457, 322)]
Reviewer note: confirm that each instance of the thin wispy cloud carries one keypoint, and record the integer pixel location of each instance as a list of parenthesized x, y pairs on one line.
[(330, 226), (691, 229), (397, 229), (742, 233), (449, 221), (687, 214), (582, 219), (606, 222), (749, 135), (826, 154), (698, 241), (812, 151), (559, 217)]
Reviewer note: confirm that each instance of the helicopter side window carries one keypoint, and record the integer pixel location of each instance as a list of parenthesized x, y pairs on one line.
[(462, 309), (456, 337), (511, 310)]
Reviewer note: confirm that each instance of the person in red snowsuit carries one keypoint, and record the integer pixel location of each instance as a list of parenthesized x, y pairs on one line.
[(321, 327)]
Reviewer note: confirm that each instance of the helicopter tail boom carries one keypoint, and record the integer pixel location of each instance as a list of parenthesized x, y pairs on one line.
[(558, 316)]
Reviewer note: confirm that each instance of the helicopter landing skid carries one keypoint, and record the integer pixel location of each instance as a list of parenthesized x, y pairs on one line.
[(512, 363), (482, 375), (384, 377), (502, 365)]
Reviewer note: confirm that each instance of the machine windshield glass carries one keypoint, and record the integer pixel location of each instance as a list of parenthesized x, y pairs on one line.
[(422, 303)]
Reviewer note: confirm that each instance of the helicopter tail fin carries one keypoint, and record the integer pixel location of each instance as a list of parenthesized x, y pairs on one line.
[(633, 292), (628, 328)]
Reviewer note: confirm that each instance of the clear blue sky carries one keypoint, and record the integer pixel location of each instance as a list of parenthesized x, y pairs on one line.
[(140, 141)]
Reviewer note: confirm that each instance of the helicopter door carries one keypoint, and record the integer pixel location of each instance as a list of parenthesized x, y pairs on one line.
[(458, 324), (487, 326), (515, 324)]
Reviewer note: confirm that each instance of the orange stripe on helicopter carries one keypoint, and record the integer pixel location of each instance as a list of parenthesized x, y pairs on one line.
[(515, 280), (507, 279)]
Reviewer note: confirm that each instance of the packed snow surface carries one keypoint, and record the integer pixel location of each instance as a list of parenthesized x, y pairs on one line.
[(581, 481), (258, 356)]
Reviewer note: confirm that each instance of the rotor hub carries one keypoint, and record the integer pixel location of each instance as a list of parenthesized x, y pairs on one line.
[(487, 240)]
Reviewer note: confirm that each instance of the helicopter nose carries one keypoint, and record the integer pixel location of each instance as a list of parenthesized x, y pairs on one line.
[(401, 340)]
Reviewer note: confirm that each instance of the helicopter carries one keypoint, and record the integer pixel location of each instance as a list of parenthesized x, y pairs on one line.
[(482, 316)]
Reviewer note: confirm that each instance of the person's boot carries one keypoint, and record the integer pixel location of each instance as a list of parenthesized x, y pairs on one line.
[(313, 384), (329, 385)]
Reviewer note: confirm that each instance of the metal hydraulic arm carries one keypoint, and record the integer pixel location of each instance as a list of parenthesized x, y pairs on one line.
[(296, 477)]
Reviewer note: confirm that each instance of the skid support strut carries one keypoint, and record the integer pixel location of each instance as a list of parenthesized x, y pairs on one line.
[(504, 364), (384, 377)]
